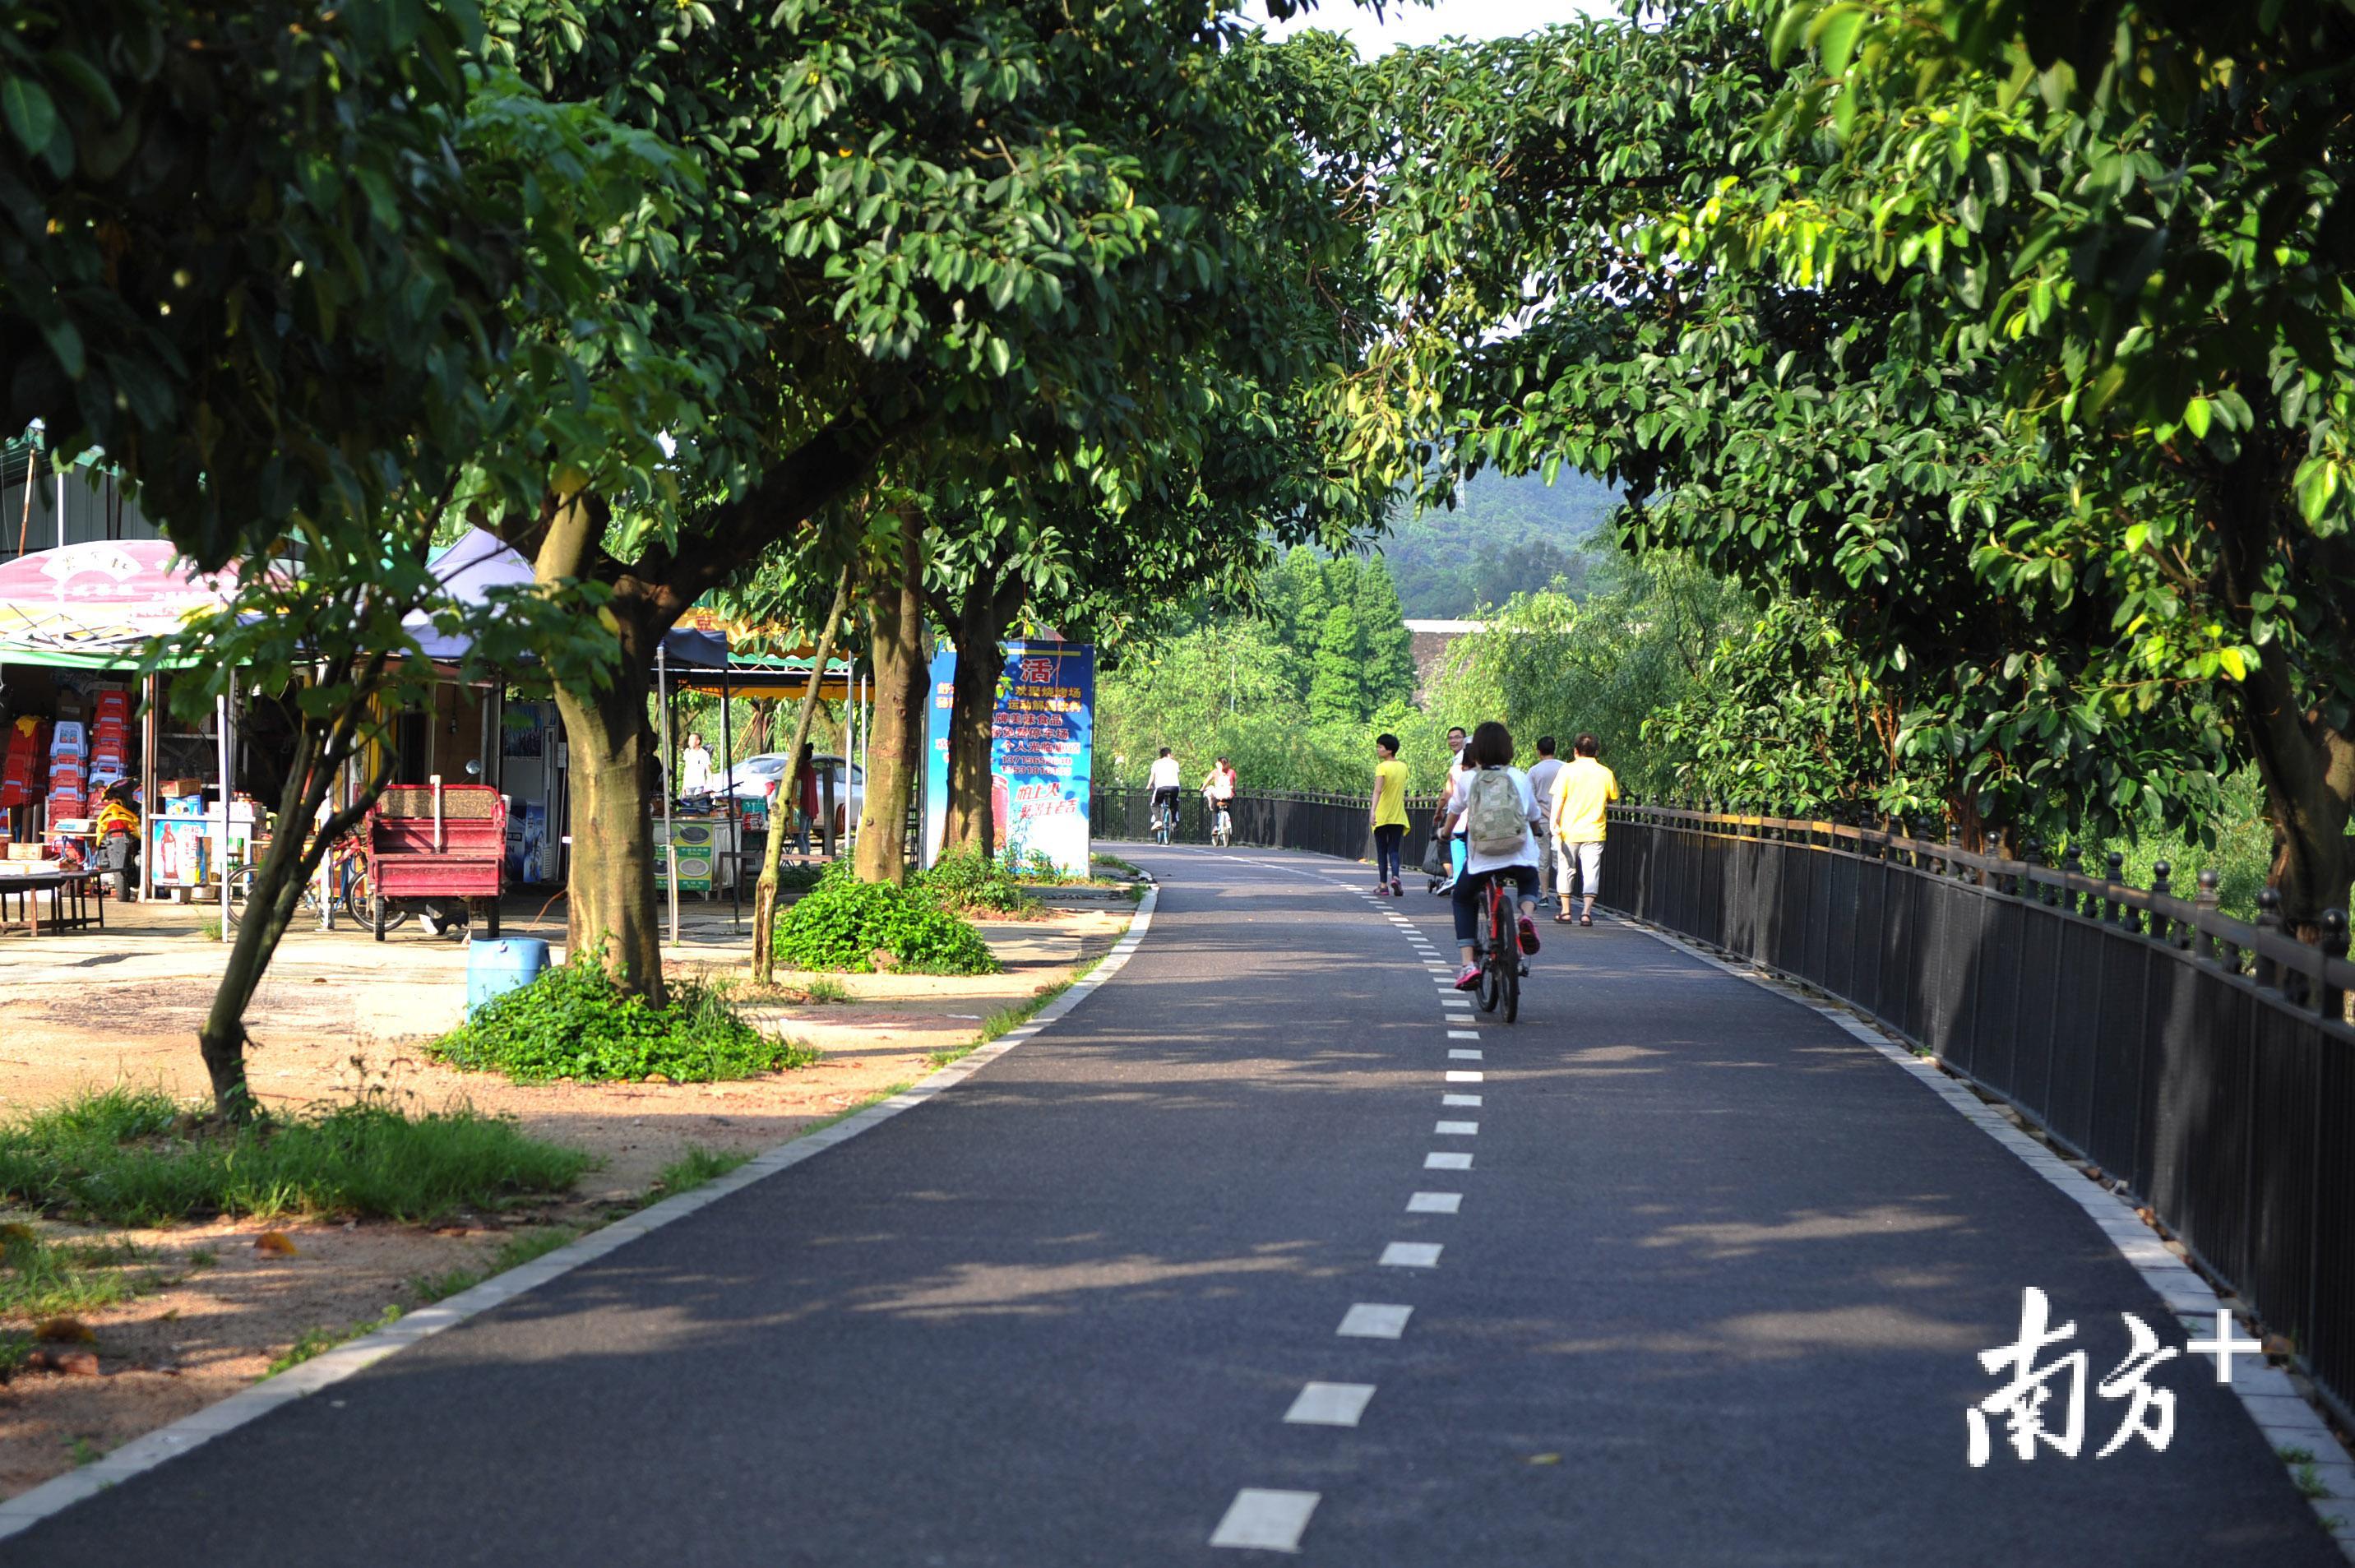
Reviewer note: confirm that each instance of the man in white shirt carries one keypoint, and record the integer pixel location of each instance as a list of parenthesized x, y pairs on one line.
[(1165, 781), (1542, 786), (1448, 827)]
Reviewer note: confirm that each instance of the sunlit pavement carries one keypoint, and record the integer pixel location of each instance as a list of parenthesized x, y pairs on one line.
[(1273, 1244)]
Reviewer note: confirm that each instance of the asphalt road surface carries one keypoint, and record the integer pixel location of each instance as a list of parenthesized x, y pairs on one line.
[(1260, 1243)]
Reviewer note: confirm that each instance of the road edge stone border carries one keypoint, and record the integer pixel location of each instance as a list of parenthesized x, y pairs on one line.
[(2281, 1414), (144, 1453)]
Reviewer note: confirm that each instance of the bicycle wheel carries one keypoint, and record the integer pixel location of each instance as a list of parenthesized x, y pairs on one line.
[(240, 887), (360, 903), (1505, 941), (1484, 950)]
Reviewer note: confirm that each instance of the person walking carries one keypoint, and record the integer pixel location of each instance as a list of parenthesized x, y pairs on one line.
[(1541, 777), (1390, 814), (1582, 792), (1450, 827)]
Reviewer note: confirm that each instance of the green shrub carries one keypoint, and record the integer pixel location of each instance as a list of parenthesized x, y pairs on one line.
[(126, 1156), (844, 922), (573, 1021), (39, 1278), (1038, 866), (962, 880)]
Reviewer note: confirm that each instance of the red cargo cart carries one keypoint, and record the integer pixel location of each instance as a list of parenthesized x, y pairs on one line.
[(438, 841)]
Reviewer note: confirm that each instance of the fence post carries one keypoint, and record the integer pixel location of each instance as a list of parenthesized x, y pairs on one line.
[(2268, 972), (2203, 940), (2162, 886), (2330, 1000)]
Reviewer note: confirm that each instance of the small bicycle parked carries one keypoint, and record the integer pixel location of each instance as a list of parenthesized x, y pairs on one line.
[(347, 885)]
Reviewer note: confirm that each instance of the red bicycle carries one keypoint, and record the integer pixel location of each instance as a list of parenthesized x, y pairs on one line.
[(1497, 942)]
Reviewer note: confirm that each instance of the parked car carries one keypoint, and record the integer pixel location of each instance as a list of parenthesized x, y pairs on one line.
[(754, 777)]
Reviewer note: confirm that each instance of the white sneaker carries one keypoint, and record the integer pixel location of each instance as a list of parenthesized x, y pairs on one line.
[(1446, 887), (431, 926)]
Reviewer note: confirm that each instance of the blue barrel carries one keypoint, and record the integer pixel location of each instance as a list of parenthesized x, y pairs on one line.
[(493, 969)]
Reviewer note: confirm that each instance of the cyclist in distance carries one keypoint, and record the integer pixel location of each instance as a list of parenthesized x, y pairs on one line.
[(1218, 793), (1166, 780), (1493, 806)]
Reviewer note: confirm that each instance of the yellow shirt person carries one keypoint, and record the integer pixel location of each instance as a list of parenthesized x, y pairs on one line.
[(1389, 793), (1580, 791)]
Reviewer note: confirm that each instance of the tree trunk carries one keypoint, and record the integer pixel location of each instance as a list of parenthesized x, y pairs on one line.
[(987, 611), (611, 891), (322, 746), (2308, 765), (2309, 768), (896, 615), (764, 898)]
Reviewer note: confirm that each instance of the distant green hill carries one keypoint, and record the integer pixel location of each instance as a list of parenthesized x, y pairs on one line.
[(1505, 536)]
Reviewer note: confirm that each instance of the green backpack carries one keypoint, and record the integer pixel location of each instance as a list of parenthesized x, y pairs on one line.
[(1494, 821)]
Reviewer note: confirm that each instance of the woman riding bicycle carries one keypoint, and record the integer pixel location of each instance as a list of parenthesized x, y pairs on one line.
[(1493, 800), (1218, 796)]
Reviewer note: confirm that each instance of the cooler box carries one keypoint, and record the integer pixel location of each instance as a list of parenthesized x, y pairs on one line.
[(495, 969)]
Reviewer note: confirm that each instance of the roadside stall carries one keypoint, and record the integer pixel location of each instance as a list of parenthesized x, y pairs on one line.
[(90, 749), (743, 808)]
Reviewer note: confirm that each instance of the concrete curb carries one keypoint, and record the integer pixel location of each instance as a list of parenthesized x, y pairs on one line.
[(144, 1453), (2281, 1414)]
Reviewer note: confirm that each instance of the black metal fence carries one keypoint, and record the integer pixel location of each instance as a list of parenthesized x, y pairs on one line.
[(1321, 824), (2204, 1061)]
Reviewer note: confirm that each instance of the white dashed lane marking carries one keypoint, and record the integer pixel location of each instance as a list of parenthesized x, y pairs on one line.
[(1463, 1034), (1456, 1075), (1459, 1054), (1459, 1099), (1330, 1404), (1268, 1520), (1411, 1255), (1374, 1321), (1440, 1161), (1434, 1203), (1457, 1129)]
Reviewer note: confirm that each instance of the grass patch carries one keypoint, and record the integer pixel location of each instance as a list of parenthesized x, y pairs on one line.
[(575, 1022), (2295, 1456), (1117, 864), (513, 1253), (853, 1109), (133, 1158), (692, 1169), (42, 1279), (13, 1348), (824, 988), (316, 1342), (1013, 1017), (2310, 1483)]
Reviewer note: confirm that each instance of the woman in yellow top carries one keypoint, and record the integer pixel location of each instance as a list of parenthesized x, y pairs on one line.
[(1390, 814)]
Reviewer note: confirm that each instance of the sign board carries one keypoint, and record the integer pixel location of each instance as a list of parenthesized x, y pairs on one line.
[(1040, 755)]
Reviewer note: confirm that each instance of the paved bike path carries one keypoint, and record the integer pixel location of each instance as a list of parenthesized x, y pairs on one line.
[(1713, 1294)]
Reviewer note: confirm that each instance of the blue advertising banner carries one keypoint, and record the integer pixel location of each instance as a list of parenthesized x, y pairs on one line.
[(1041, 752)]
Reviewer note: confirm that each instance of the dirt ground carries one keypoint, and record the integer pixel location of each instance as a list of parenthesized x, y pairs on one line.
[(341, 1014)]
